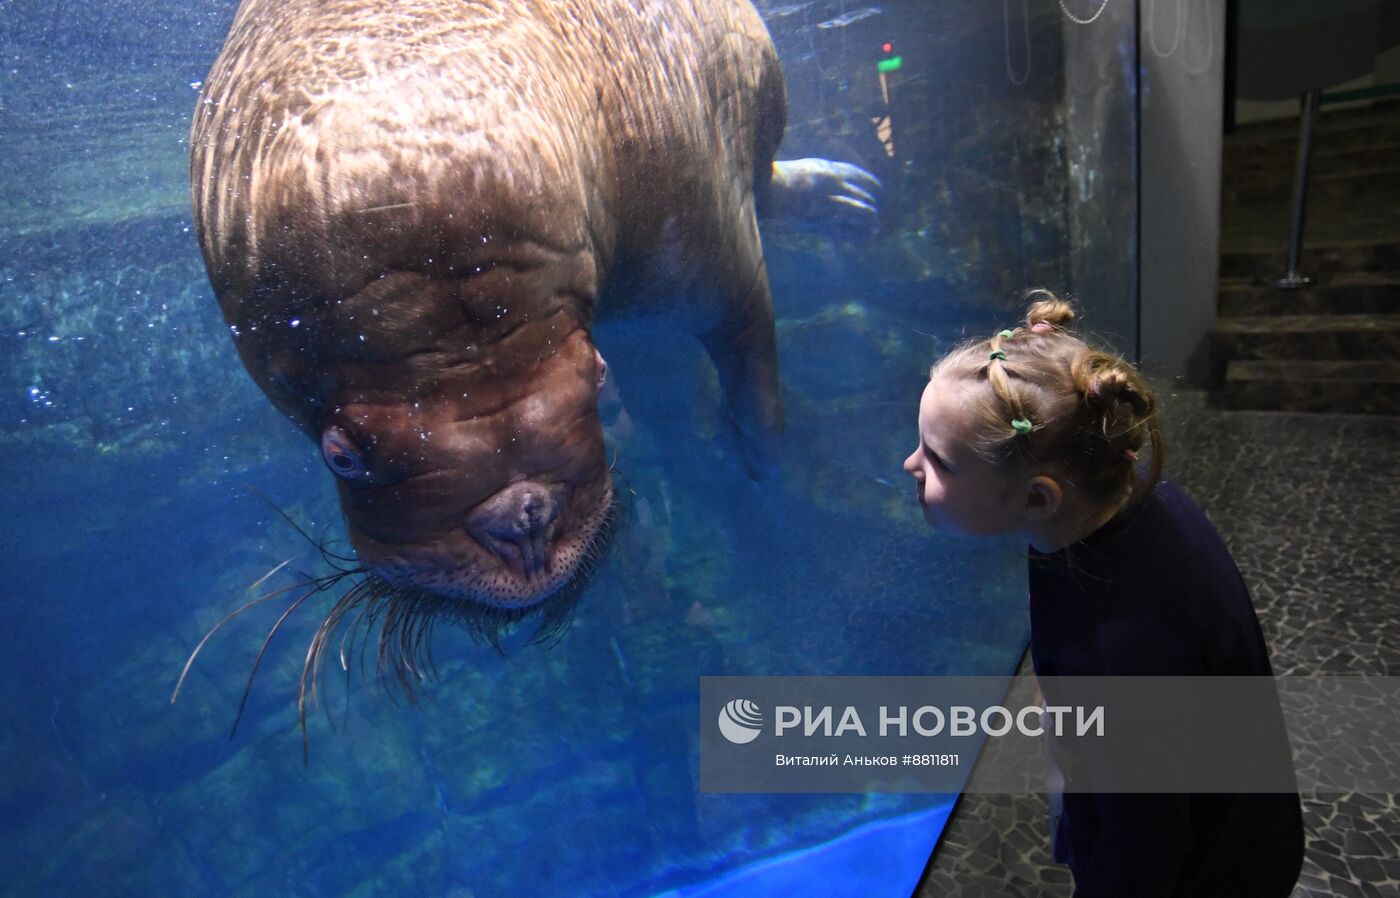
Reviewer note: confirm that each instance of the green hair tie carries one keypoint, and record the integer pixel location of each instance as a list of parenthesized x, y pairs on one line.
[(1006, 335), (998, 354), (1022, 426)]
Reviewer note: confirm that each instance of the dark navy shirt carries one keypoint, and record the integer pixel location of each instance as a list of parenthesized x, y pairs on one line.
[(1154, 592)]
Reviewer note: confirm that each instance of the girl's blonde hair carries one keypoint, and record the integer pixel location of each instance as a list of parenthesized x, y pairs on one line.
[(1039, 396)]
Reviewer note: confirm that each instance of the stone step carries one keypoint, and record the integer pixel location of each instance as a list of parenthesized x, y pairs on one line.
[(1330, 294), (1290, 337), (1368, 218), (1331, 150), (1352, 127), (1364, 387), (1275, 166), (1322, 190), (1333, 346), (1317, 260)]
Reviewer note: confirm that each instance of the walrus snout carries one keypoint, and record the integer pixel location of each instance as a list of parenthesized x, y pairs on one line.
[(517, 524)]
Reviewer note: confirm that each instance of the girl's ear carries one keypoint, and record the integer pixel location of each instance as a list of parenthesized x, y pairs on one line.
[(1044, 496)]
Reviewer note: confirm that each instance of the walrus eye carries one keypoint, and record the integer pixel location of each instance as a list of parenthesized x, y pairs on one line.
[(341, 455)]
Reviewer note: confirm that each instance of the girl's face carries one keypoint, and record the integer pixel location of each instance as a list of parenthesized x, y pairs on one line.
[(958, 491)]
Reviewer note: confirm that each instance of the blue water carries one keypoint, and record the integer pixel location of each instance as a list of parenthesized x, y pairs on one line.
[(584, 753), (129, 525)]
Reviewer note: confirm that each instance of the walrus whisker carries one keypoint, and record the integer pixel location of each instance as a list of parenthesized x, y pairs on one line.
[(618, 510), (344, 665), (405, 664), (326, 554), (314, 652), (559, 613), (619, 513), (419, 644), (417, 629), (406, 619), (552, 628), (315, 649), (393, 623), (252, 674), (334, 559), (369, 593), (429, 628), (347, 672), (384, 208), (376, 611), (318, 584), (390, 609), (393, 616), (405, 667), (189, 662), (366, 626), (364, 621), (263, 579)]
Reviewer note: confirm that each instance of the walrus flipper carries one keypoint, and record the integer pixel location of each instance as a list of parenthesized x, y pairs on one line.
[(744, 349), (821, 191)]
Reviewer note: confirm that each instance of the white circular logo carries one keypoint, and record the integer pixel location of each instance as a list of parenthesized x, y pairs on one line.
[(740, 721)]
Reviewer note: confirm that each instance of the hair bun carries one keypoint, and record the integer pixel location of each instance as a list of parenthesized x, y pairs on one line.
[(1047, 309), (1108, 382)]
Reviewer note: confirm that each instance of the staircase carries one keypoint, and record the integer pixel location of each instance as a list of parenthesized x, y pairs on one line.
[(1335, 345)]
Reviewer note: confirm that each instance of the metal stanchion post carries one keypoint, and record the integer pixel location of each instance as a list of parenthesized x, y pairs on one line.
[(1291, 279)]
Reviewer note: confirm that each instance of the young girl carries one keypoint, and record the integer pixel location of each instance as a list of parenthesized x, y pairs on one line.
[(1033, 433)]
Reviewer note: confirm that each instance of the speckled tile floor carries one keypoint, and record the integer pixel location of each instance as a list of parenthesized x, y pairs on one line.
[(1310, 506)]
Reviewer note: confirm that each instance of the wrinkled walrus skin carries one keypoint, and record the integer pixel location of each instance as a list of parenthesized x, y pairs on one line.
[(412, 213)]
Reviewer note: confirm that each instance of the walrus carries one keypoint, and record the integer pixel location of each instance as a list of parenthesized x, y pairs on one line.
[(413, 213)]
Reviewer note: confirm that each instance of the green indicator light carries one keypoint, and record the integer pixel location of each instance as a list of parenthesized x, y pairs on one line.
[(890, 65)]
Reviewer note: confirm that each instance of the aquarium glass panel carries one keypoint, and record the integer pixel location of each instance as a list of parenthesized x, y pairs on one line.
[(381, 307)]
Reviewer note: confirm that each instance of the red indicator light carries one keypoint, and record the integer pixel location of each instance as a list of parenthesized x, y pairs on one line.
[(888, 46)]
